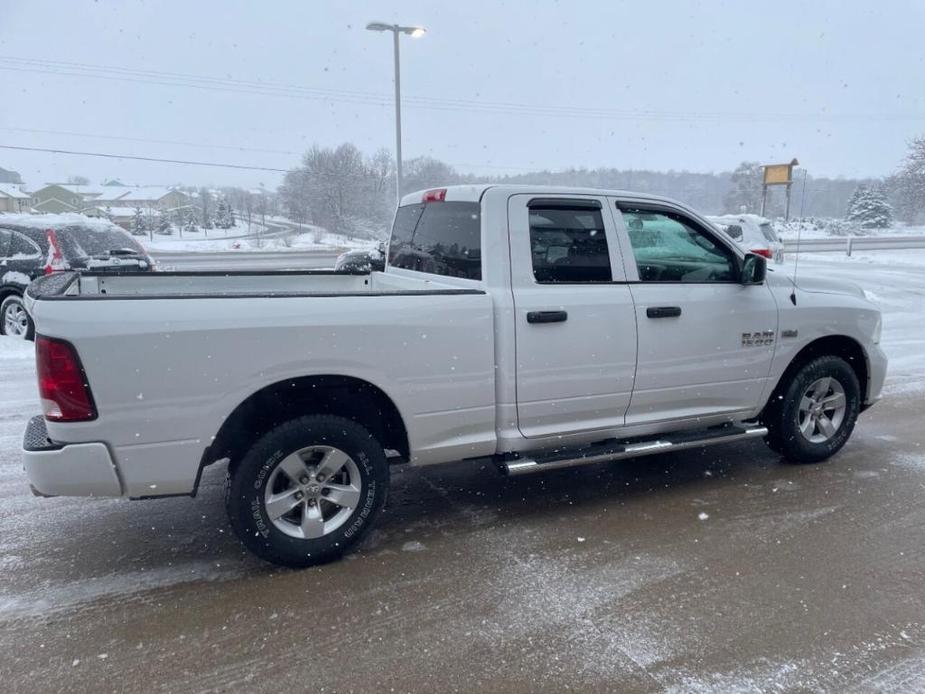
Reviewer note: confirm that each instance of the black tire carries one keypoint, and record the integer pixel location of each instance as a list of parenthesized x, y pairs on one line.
[(246, 489), (782, 415), (14, 301)]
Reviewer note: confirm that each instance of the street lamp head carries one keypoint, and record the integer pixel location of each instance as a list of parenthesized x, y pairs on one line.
[(414, 32)]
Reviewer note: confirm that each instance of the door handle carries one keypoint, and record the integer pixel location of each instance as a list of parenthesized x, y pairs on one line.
[(663, 311), (547, 316)]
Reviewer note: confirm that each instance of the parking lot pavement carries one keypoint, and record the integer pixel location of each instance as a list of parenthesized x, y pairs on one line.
[(720, 569), (714, 569)]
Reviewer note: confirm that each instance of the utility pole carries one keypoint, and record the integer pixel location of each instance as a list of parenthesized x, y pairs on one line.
[(803, 194)]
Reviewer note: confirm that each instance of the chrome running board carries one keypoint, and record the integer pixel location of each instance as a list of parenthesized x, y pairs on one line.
[(617, 451)]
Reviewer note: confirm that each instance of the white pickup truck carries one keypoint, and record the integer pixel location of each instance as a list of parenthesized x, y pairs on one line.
[(535, 327)]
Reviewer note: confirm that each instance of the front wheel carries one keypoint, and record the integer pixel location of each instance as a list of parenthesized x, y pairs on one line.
[(307, 491), (15, 321), (815, 413)]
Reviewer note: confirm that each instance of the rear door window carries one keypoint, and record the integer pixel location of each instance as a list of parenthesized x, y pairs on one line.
[(22, 248), (79, 242), (440, 238), (568, 244)]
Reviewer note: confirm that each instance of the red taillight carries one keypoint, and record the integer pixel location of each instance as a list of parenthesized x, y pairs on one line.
[(63, 385), (765, 252), (55, 260), (435, 195)]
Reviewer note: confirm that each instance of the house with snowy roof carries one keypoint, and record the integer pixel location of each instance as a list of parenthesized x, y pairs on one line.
[(68, 197), (56, 198), (14, 199), (156, 197)]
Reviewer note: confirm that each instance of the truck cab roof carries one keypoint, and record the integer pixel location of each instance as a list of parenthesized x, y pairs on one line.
[(473, 192)]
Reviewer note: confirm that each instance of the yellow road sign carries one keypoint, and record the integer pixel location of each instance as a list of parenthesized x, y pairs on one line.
[(778, 174)]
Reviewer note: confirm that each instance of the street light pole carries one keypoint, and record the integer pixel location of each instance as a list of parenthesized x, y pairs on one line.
[(414, 32), (397, 120)]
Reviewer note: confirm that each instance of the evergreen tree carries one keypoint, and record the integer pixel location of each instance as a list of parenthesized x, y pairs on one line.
[(222, 214), (189, 216), (869, 208), (138, 223), (163, 223)]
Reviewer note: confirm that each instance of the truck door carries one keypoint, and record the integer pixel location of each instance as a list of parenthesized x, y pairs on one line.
[(575, 327), (705, 340)]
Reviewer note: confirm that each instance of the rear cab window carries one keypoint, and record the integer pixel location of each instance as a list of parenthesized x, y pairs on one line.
[(440, 238)]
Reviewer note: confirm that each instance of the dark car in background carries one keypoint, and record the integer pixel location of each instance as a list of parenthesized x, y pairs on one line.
[(361, 260), (35, 245)]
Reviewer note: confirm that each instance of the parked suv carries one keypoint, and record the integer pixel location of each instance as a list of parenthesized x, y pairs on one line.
[(36, 245), (753, 233)]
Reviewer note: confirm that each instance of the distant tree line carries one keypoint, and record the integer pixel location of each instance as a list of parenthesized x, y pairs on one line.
[(346, 191)]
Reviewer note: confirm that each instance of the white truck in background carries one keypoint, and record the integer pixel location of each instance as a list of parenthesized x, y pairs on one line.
[(537, 327)]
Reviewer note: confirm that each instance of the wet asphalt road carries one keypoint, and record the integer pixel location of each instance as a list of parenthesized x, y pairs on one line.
[(714, 570)]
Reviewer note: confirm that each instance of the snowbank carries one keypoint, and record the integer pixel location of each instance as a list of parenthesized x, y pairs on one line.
[(315, 239)]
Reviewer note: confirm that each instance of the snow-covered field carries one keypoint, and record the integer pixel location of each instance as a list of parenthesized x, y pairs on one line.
[(836, 228)]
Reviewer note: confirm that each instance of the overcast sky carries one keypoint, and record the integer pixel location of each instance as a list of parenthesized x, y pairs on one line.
[(493, 87)]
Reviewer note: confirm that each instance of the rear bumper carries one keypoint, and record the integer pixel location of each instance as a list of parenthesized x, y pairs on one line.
[(77, 469)]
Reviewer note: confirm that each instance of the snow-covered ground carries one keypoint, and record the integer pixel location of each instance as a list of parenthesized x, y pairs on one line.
[(274, 237), (894, 281)]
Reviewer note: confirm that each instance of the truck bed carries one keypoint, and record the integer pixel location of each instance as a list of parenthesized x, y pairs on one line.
[(169, 356), (216, 284)]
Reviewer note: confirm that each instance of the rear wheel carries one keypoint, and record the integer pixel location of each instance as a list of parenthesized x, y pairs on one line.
[(307, 491), (815, 413), (15, 321)]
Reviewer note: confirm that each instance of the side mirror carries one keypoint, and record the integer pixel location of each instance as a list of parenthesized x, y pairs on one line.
[(754, 269)]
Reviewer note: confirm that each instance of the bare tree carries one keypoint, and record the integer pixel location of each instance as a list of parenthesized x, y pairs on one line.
[(909, 183)]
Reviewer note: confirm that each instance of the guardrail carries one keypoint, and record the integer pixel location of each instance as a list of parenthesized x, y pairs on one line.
[(848, 244)]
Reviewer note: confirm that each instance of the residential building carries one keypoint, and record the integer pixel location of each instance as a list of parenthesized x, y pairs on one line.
[(68, 197), (14, 199), (157, 197), (63, 197)]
